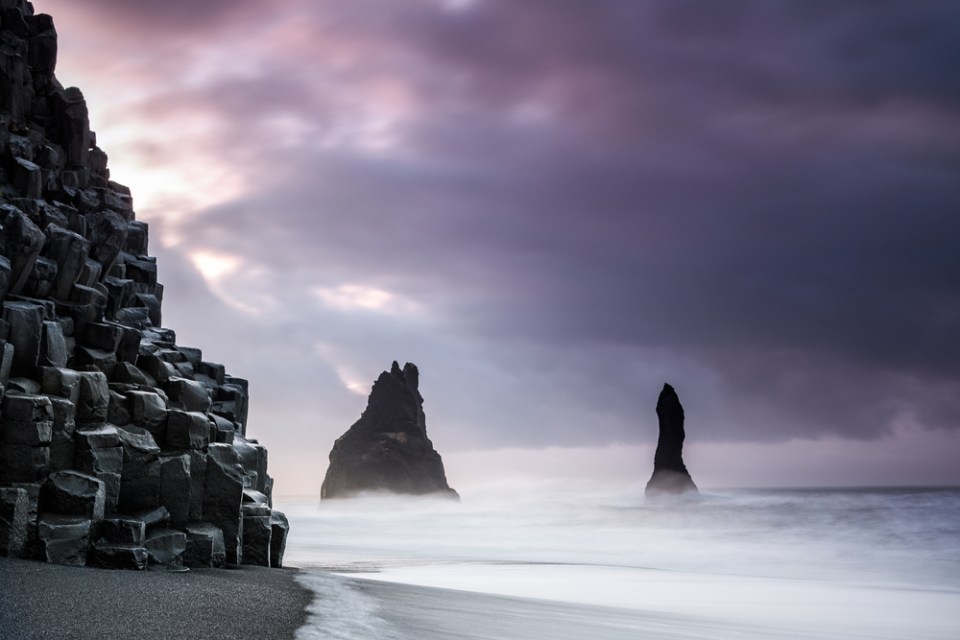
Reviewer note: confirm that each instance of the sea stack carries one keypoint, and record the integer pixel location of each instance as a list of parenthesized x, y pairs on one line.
[(670, 475), (387, 449)]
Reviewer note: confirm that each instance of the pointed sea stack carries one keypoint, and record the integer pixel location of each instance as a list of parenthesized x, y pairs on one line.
[(387, 449), (670, 475)]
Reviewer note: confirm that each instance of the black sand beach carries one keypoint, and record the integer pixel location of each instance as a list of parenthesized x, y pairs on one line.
[(40, 601)]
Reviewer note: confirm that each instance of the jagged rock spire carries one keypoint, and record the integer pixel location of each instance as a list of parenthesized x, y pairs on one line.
[(387, 449)]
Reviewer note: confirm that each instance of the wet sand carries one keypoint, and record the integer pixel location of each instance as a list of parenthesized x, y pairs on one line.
[(40, 601)]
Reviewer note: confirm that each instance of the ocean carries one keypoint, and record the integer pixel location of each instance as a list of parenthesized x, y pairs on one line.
[(561, 563)]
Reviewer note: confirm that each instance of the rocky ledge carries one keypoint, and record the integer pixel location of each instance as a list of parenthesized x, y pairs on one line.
[(387, 449), (670, 475), (118, 447)]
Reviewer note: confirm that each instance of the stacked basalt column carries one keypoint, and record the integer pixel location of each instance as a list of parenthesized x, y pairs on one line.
[(118, 447)]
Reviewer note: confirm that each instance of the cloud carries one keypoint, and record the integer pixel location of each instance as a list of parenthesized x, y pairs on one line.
[(553, 207), (147, 16)]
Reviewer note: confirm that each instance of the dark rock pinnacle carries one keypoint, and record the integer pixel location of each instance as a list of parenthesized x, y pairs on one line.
[(387, 449), (670, 475)]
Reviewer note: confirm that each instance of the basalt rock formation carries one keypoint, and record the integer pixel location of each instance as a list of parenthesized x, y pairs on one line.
[(670, 475), (118, 447), (387, 449)]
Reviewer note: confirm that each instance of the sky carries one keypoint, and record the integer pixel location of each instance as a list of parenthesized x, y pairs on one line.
[(553, 207)]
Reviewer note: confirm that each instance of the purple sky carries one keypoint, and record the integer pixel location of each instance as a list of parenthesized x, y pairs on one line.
[(552, 207)]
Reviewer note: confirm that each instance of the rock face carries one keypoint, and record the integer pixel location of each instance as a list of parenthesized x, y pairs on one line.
[(670, 475), (118, 447), (387, 449)]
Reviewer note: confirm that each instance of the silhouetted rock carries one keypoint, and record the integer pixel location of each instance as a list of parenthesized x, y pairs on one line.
[(670, 475), (387, 449)]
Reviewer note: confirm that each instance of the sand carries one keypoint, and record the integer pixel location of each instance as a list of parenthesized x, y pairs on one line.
[(41, 601)]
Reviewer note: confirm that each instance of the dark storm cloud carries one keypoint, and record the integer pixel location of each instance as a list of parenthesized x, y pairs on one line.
[(765, 189), (769, 186)]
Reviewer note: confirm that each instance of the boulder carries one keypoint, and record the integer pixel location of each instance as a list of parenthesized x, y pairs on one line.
[(158, 368), (154, 517), (24, 240), (231, 400), (253, 459), (222, 497), (64, 539), (166, 548), (187, 430), (93, 404), (148, 411), (108, 555), (257, 532), (6, 362), (61, 382), (99, 453), (27, 178), (102, 335), (107, 238), (62, 444), (53, 346), (176, 488), (254, 503), (138, 234), (278, 538), (26, 420), (188, 395), (119, 410), (73, 493), (205, 546), (24, 463), (69, 250), (72, 121), (124, 530), (32, 489), (387, 449), (198, 483), (42, 44), (42, 277), (670, 475), (89, 358), (26, 331), (5, 277), (98, 438), (221, 429), (14, 521), (140, 478)]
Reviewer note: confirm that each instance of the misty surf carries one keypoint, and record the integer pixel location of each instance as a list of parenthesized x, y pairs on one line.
[(549, 561)]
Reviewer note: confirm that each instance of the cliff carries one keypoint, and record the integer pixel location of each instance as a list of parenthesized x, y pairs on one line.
[(118, 447), (387, 449)]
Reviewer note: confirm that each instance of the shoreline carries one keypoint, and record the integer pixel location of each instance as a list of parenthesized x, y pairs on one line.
[(40, 601)]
